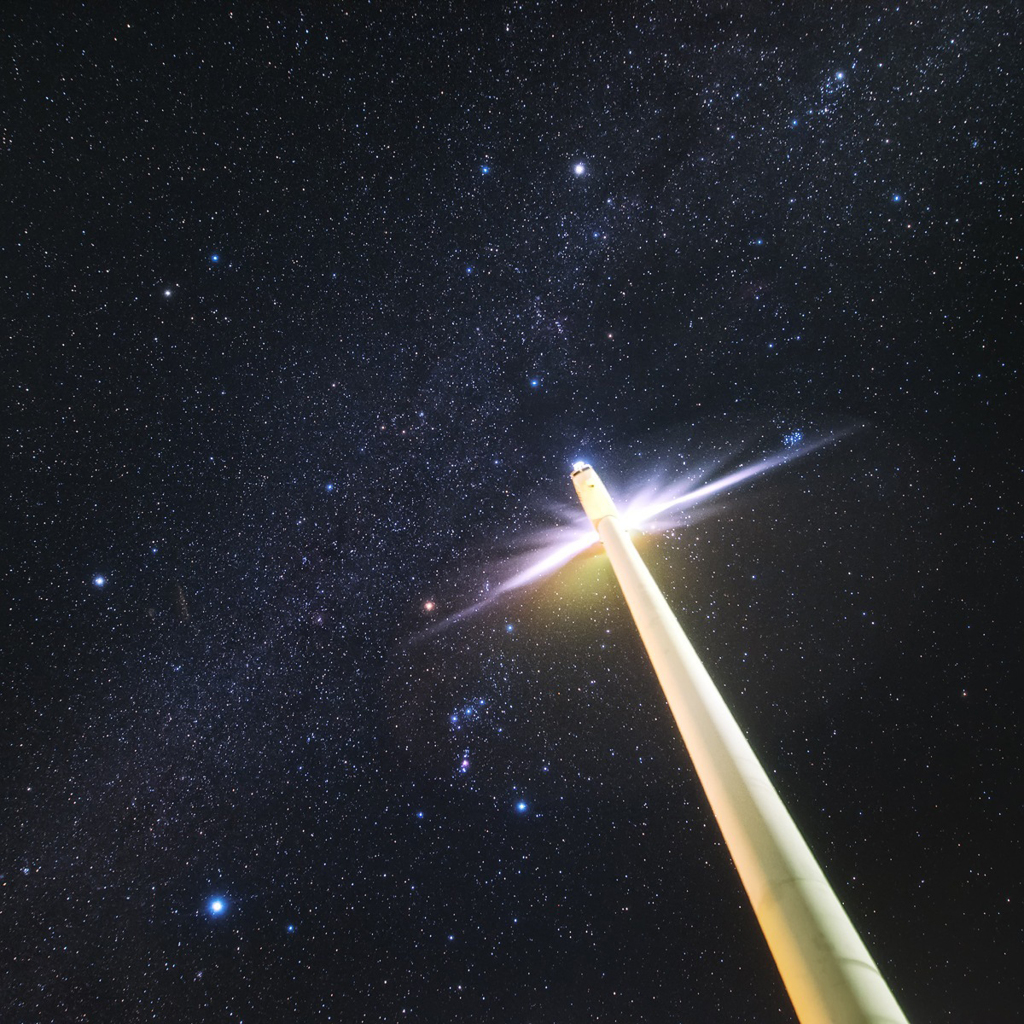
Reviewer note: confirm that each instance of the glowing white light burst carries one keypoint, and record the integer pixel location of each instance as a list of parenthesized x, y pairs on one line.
[(656, 508), (646, 509), (547, 563)]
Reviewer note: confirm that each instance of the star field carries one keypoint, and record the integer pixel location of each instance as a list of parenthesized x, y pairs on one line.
[(309, 314)]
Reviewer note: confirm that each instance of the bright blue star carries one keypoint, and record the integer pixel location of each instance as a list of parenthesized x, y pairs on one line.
[(522, 807), (484, 169), (217, 906), (291, 928), (535, 382), (329, 488), (469, 270), (840, 75), (897, 198), (215, 257), (579, 170), (509, 627), (99, 581)]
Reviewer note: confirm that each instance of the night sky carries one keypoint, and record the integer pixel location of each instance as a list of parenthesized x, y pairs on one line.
[(309, 310)]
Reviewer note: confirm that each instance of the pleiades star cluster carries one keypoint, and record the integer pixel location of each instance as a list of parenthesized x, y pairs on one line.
[(309, 311)]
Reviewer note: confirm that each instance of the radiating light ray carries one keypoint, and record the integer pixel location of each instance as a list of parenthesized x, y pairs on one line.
[(636, 513), (648, 509), (540, 567)]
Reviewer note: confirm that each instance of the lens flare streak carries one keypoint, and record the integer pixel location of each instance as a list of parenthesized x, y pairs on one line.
[(645, 510), (544, 566), (636, 516)]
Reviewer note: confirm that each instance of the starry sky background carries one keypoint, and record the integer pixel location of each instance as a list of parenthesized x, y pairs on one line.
[(309, 311)]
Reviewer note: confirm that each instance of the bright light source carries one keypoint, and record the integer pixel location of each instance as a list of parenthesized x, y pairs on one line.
[(653, 510)]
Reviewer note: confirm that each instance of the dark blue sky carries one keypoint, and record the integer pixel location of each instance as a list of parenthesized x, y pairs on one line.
[(309, 312)]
